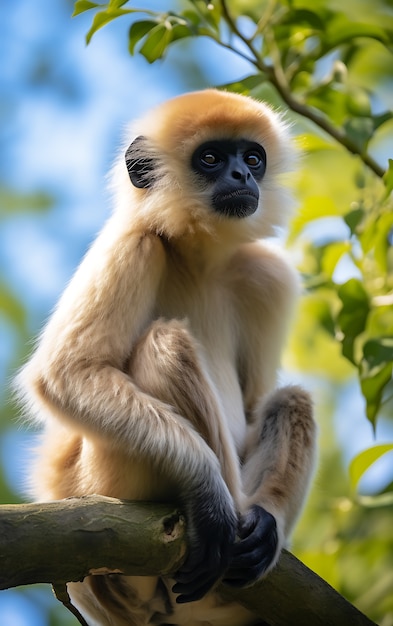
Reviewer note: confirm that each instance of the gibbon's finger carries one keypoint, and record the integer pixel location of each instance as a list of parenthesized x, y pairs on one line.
[(246, 576), (193, 592), (257, 527)]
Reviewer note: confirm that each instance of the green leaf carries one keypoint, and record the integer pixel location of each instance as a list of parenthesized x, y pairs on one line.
[(376, 373), (358, 102), (359, 130), (181, 31), (363, 461), (137, 31), (305, 16), (373, 382), (104, 17), (84, 5), (314, 208), (156, 43), (354, 218), (192, 16), (332, 254), (116, 4), (378, 351), (353, 316), (246, 85), (340, 30), (380, 119), (331, 98)]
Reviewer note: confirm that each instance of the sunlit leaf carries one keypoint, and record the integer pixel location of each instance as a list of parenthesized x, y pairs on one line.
[(84, 5), (116, 4), (311, 142), (314, 208), (104, 17), (364, 460), (332, 255)]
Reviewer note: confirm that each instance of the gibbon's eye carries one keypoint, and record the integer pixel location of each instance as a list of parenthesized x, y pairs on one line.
[(252, 159), (209, 158)]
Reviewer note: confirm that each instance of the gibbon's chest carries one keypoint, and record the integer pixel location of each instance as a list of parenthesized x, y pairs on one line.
[(207, 304), (209, 308)]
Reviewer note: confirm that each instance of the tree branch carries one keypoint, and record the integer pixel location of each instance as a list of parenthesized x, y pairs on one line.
[(64, 541)]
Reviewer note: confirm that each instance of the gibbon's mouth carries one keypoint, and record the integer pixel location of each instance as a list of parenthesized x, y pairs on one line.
[(239, 203)]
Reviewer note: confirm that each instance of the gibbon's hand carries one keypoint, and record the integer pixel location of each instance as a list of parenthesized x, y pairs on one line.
[(252, 555), (212, 531)]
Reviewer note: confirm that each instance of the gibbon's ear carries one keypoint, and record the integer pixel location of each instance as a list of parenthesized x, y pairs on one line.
[(140, 166)]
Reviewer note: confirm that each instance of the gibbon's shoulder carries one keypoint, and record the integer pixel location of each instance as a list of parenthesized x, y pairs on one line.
[(264, 267)]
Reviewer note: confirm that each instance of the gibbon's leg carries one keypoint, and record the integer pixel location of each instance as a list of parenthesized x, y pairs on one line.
[(278, 466), (167, 364)]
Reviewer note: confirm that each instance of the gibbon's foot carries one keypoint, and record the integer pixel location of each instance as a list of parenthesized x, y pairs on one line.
[(255, 550)]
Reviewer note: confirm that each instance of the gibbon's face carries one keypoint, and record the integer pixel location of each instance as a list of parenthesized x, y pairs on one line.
[(234, 168), (209, 161), (230, 168)]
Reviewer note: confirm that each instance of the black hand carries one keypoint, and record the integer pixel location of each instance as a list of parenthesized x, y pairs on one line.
[(212, 530), (255, 551)]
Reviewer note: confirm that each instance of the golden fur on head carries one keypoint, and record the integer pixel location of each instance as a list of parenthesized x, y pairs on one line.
[(173, 131)]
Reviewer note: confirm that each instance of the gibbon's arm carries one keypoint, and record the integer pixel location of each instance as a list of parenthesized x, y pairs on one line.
[(76, 374), (267, 288)]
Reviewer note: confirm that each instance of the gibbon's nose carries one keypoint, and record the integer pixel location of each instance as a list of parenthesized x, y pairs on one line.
[(241, 174)]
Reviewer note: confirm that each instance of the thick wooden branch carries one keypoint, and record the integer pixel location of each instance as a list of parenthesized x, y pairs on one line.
[(65, 541)]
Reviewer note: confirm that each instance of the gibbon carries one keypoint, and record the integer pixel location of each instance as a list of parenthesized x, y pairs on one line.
[(156, 376)]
